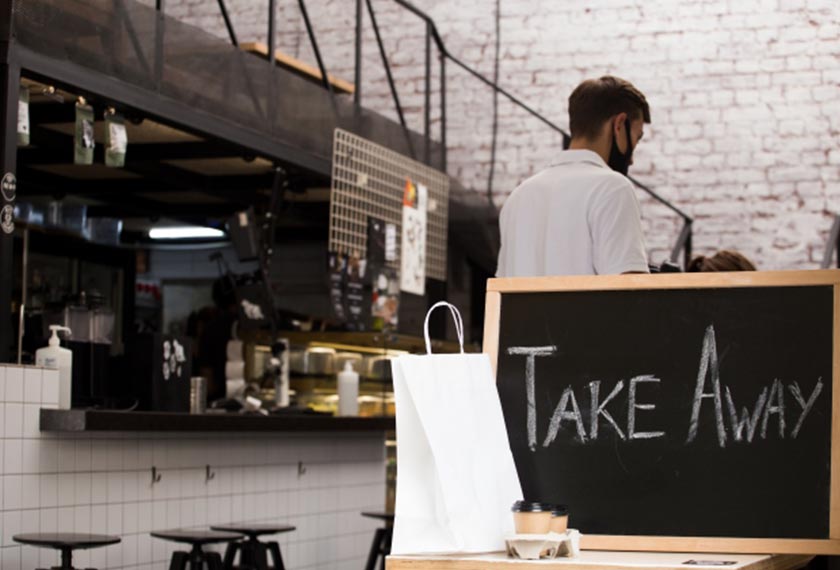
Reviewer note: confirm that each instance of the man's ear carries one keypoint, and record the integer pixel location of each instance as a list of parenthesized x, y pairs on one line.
[(618, 122)]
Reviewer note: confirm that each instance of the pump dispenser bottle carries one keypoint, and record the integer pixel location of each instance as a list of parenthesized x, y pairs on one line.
[(61, 359), (348, 391)]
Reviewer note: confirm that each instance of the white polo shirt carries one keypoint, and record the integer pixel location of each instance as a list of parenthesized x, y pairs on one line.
[(578, 217)]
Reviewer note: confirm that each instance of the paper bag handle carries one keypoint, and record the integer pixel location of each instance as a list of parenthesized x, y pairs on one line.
[(456, 316)]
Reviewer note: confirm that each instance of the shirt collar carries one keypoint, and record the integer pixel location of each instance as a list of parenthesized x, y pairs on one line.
[(580, 155)]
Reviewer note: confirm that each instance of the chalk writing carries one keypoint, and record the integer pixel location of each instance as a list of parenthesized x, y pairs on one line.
[(766, 416)]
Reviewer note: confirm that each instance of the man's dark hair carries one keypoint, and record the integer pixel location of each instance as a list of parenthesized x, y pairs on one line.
[(596, 100)]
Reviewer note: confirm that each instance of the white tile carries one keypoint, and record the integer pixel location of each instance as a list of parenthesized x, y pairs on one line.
[(99, 488), (131, 454), (49, 388), (49, 455), (31, 456), (66, 489), (48, 558), (30, 521), (144, 517), (144, 549), (82, 484), (14, 384), (114, 456), (49, 491), (13, 414), (130, 518), (129, 551), (83, 452), (49, 520), (115, 487), (32, 378), (31, 419), (11, 527), (131, 486), (115, 519), (81, 519), (173, 514), (99, 556), (2, 388), (12, 488), (13, 456), (99, 519), (65, 519), (30, 557), (11, 558), (66, 456), (99, 455), (30, 492)]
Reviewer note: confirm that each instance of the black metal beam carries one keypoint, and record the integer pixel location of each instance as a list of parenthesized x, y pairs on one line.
[(325, 79), (228, 23), (357, 75), (10, 78)]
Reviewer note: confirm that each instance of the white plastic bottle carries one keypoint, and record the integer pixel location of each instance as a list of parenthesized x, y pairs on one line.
[(348, 391), (61, 359)]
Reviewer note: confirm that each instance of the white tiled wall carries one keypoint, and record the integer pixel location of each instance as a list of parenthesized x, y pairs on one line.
[(102, 483)]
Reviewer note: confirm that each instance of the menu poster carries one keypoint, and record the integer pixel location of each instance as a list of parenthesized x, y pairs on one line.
[(375, 240), (385, 298), (413, 250), (354, 294), (337, 271), (348, 291)]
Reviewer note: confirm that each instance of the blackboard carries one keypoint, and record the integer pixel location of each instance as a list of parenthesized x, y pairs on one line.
[(687, 412)]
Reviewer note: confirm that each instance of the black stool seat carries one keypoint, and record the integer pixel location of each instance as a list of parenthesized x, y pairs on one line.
[(66, 542), (196, 559), (200, 537), (387, 517), (381, 545), (253, 530), (253, 554)]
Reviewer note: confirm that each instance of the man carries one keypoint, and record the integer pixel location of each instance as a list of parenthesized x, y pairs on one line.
[(581, 216)]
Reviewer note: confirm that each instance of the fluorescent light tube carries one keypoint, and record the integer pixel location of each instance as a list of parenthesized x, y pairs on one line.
[(185, 232)]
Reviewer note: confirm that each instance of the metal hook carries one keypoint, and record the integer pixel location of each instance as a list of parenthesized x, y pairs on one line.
[(301, 469), (156, 477), (208, 474)]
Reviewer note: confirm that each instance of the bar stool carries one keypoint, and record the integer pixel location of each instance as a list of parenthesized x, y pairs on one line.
[(196, 559), (253, 554), (66, 542), (381, 545)]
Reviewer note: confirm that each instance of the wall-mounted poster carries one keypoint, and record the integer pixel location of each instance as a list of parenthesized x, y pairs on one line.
[(413, 250)]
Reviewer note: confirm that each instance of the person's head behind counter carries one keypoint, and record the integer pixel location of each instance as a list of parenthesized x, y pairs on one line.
[(724, 260)]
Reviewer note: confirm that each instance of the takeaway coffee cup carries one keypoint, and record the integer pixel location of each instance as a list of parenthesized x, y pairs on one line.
[(531, 518), (559, 519)]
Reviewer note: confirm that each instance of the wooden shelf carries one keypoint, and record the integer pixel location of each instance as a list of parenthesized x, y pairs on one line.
[(296, 66), (104, 421)]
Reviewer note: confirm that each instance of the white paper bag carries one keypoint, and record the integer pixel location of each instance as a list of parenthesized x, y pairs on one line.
[(456, 479)]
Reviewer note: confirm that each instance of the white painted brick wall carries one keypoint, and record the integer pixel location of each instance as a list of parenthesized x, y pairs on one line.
[(101, 483), (745, 97)]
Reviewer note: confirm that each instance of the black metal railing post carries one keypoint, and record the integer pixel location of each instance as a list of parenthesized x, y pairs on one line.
[(325, 78), (160, 25), (390, 78), (427, 103), (357, 75), (443, 111), (228, 23)]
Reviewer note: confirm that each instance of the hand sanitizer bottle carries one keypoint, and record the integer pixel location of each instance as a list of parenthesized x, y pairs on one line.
[(348, 391), (61, 359)]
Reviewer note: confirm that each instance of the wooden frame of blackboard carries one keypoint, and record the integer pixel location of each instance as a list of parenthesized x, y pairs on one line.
[(496, 288)]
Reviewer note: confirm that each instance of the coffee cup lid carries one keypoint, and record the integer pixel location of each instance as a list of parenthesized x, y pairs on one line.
[(530, 507), (559, 510)]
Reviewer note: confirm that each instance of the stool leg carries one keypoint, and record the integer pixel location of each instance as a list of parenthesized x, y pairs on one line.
[(387, 533), (260, 556), (230, 555), (274, 548), (179, 561), (374, 549), (214, 561)]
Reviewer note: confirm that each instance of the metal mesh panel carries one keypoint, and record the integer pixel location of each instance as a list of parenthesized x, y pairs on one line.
[(368, 180)]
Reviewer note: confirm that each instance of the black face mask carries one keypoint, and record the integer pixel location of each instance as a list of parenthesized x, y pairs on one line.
[(618, 161)]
